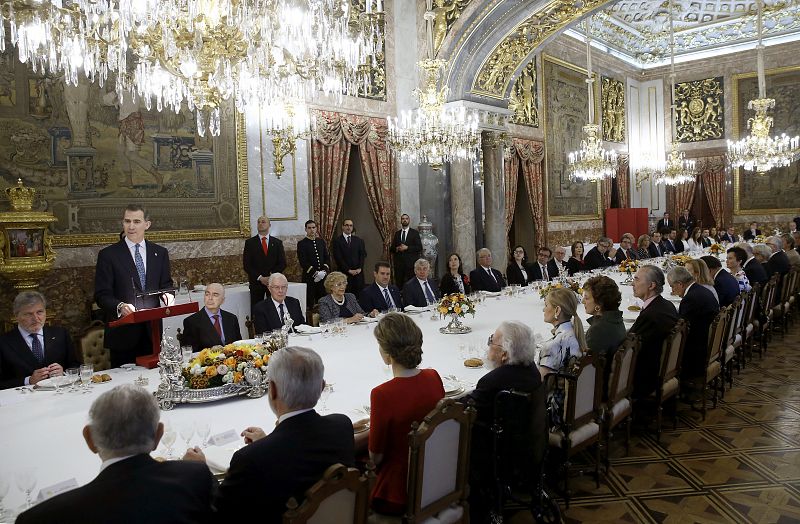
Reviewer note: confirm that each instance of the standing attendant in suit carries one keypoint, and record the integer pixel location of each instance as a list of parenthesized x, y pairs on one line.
[(753, 232), (295, 454), (381, 296), (349, 254), (130, 267), (315, 263), (270, 314), (626, 250), (519, 270), (421, 290), (655, 249), (485, 277), (263, 255), (698, 307), (602, 255), (656, 319), (211, 326), (557, 265), (725, 284), (539, 270), (454, 281), (32, 352), (131, 487), (665, 222), (407, 248), (686, 221)]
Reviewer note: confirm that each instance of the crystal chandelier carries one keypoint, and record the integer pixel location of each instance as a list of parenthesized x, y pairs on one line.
[(591, 162), (434, 133), (201, 52), (759, 151)]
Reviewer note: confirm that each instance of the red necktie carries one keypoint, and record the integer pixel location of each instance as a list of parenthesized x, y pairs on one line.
[(217, 327), (264, 245)]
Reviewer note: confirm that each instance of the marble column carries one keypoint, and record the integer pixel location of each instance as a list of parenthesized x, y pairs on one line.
[(494, 199), (463, 212)]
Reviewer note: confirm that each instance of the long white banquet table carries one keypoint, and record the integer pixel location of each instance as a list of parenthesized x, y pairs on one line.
[(43, 430)]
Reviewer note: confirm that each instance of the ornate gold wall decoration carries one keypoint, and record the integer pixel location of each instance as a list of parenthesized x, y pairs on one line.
[(495, 73), (524, 101), (446, 12), (375, 89), (612, 93), (779, 191), (700, 110)]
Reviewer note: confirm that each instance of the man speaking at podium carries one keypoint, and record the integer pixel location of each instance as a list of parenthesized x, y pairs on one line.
[(131, 266)]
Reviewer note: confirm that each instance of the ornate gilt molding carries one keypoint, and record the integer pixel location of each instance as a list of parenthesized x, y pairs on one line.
[(375, 89), (699, 110), (497, 70), (524, 100), (612, 94), (445, 12)]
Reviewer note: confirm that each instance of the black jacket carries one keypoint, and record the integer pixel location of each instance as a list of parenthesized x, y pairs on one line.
[(727, 287), (514, 275), (480, 280), (199, 332), (266, 315), (594, 259), (655, 250), (413, 295), (698, 307), (653, 325), (372, 298), (447, 285), (17, 360), (755, 272), (256, 263)]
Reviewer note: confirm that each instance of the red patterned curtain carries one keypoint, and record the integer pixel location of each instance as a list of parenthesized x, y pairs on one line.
[(334, 134), (511, 175), (531, 155), (604, 186), (680, 197), (623, 181), (712, 169)]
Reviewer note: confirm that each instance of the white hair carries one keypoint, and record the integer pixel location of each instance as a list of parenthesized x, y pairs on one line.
[(680, 275), (747, 248), (298, 374), (277, 276), (420, 263), (763, 250), (778, 241), (124, 421), (518, 342)]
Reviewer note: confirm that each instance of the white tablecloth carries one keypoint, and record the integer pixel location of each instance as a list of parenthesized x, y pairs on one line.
[(237, 301), (43, 430)]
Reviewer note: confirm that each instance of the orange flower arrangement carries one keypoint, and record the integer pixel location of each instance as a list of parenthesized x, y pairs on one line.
[(216, 367)]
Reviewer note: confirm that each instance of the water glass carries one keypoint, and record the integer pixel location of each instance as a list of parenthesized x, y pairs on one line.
[(168, 439), (203, 431), (326, 393), (86, 371), (26, 482), (186, 429), (72, 376)]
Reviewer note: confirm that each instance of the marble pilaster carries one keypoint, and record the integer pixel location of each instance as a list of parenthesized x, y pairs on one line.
[(494, 199), (462, 201)]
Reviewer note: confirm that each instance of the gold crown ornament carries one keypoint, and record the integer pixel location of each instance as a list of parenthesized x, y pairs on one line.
[(21, 197)]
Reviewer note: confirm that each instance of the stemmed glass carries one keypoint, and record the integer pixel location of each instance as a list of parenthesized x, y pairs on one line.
[(203, 431), (4, 486), (72, 376), (86, 370), (168, 439), (326, 393), (26, 481), (186, 430)]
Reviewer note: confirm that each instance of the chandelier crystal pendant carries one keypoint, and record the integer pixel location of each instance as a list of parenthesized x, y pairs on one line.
[(201, 52), (759, 151), (434, 133), (591, 163)]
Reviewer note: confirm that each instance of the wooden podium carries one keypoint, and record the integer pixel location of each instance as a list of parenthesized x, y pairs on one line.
[(154, 316)]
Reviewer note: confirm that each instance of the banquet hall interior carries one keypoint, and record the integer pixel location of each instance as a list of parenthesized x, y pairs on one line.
[(489, 124)]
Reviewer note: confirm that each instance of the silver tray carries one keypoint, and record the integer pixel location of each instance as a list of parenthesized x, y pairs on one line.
[(168, 399)]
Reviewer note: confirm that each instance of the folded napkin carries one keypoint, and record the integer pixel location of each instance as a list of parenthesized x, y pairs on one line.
[(305, 329), (367, 320), (416, 309), (492, 293), (247, 342)]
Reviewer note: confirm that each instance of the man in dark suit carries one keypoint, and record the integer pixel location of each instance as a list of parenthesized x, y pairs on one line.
[(625, 251), (726, 284), (729, 235), (600, 256), (349, 254), (407, 249), (485, 277), (557, 265), (705, 240), (211, 326), (131, 487), (655, 249), (314, 262), (270, 313), (753, 269), (263, 255), (698, 307), (540, 270), (686, 221), (32, 352), (753, 232), (655, 321), (669, 241), (125, 271), (381, 295), (778, 262), (421, 290), (295, 454), (665, 222)]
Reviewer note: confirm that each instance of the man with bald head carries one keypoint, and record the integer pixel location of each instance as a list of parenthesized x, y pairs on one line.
[(263, 255), (211, 326)]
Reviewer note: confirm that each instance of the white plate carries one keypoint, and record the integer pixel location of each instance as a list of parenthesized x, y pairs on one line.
[(50, 383), (367, 320), (247, 342)]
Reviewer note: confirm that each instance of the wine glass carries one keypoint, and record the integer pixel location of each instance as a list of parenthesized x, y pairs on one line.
[(72, 378), (326, 393), (4, 487), (203, 431), (168, 439), (186, 430), (86, 371), (26, 481)]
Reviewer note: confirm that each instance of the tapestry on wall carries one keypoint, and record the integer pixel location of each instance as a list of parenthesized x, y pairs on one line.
[(779, 190), (89, 154), (566, 112)]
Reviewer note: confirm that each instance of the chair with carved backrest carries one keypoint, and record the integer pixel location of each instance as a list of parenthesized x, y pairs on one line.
[(341, 496), (749, 324), (92, 346), (713, 369), (580, 423), (669, 373), (438, 464), (783, 300), (767, 300), (251, 328), (733, 339), (619, 407)]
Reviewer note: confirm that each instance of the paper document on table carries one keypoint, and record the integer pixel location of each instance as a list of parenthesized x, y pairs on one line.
[(219, 458), (51, 491)]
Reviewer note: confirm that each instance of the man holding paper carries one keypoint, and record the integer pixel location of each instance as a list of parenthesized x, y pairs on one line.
[(124, 273)]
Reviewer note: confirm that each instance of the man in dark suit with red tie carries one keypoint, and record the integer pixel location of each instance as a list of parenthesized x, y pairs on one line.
[(349, 254), (124, 271), (211, 326), (485, 277), (263, 255), (32, 352), (407, 249)]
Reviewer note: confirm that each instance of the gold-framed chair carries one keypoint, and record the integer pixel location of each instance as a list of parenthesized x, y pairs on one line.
[(438, 464), (733, 339), (765, 315), (341, 496), (749, 324), (619, 407), (780, 309), (669, 374), (713, 369)]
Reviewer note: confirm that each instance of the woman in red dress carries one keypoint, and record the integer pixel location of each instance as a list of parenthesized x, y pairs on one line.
[(394, 405)]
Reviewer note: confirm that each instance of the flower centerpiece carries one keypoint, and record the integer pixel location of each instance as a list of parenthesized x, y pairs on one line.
[(759, 239), (628, 266), (218, 366), (570, 284), (681, 260), (455, 306), (716, 249)]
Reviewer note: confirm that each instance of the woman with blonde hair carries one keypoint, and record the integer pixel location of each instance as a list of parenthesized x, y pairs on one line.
[(643, 245), (569, 341), (702, 275), (337, 303)]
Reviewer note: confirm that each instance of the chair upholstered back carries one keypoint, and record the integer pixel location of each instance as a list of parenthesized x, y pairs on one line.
[(672, 351), (341, 496), (91, 347), (751, 299), (716, 334), (620, 382), (735, 324), (583, 396)]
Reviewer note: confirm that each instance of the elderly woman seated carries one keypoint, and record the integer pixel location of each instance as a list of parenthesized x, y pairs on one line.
[(337, 303)]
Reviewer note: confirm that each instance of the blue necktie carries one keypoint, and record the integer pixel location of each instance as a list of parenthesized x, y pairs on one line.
[(36, 347), (388, 298), (429, 293), (137, 258)]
